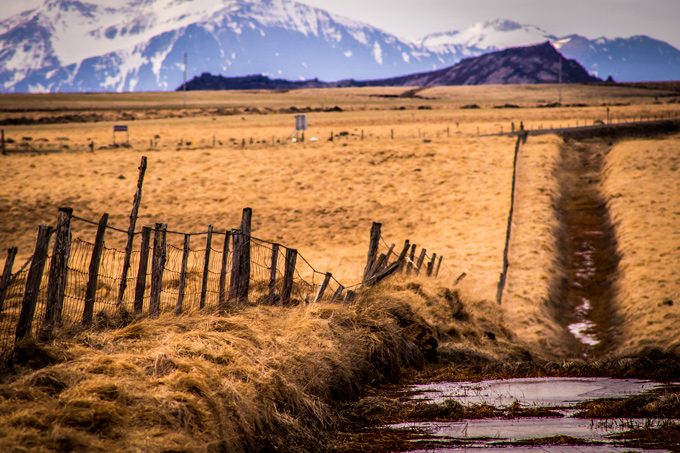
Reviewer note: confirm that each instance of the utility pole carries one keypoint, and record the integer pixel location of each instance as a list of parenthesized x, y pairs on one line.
[(184, 85), (560, 81)]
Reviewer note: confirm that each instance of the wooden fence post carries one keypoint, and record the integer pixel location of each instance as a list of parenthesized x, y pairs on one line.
[(140, 283), (93, 273), (272, 274), (6, 278), (32, 289), (131, 230), (288, 275), (2, 142), (337, 294), (206, 267), (402, 255), (372, 249), (430, 265), (439, 263), (183, 274), (349, 296), (240, 266), (421, 258), (157, 266), (223, 273), (56, 284), (411, 260), (322, 288)]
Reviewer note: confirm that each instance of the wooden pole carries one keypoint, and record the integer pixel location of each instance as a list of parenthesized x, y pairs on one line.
[(421, 258), (272, 274), (2, 142), (223, 273), (439, 263), (206, 267), (411, 260), (183, 274), (349, 296), (6, 278), (131, 230), (322, 288), (372, 249), (337, 294), (93, 273), (32, 289), (140, 286), (244, 256), (402, 255), (430, 265), (288, 275), (56, 284), (157, 266)]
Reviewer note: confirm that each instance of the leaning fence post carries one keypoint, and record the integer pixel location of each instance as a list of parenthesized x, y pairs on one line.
[(6, 278), (372, 249), (402, 255), (421, 258), (349, 296), (140, 286), (337, 294), (223, 273), (206, 267), (288, 275), (322, 288), (131, 230), (157, 266), (56, 284), (32, 288), (272, 274), (183, 274), (93, 273), (439, 263)]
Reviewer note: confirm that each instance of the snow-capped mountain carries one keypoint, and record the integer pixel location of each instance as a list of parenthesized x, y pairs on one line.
[(71, 45), (638, 58)]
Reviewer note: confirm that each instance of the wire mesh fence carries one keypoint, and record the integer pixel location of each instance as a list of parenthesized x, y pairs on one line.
[(193, 277)]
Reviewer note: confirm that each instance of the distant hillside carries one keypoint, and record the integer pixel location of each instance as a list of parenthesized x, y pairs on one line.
[(530, 65)]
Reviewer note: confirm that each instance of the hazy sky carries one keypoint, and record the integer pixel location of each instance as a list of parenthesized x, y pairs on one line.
[(415, 18)]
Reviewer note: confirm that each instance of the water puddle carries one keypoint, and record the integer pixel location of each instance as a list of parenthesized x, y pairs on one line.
[(521, 434), (539, 392)]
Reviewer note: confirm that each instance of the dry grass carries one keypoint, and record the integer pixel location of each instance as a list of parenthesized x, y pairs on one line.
[(261, 378), (642, 186)]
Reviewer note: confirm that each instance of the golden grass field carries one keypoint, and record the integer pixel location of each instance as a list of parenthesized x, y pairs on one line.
[(642, 185), (437, 182)]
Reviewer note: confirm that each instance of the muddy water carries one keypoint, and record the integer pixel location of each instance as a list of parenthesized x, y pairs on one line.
[(587, 247), (508, 434)]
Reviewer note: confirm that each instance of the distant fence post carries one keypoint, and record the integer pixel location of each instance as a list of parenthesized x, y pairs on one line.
[(157, 266), (140, 286), (2, 142), (337, 294), (421, 258), (288, 275), (206, 267), (430, 265), (223, 273), (56, 284), (272, 274), (240, 266), (183, 274), (131, 231), (372, 249), (93, 272), (6, 278), (322, 288), (35, 273), (439, 263)]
